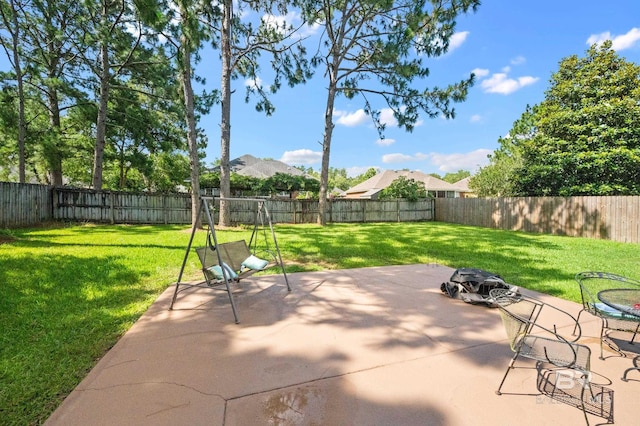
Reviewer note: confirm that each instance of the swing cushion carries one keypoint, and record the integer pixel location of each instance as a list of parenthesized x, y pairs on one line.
[(255, 263), (216, 270)]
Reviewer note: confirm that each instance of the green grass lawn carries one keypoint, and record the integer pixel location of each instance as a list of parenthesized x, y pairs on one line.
[(68, 293)]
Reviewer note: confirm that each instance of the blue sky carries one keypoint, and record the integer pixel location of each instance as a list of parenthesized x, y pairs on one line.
[(513, 47)]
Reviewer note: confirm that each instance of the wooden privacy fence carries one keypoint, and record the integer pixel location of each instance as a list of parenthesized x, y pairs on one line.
[(29, 205), (614, 218), (121, 207), (24, 204), (339, 210)]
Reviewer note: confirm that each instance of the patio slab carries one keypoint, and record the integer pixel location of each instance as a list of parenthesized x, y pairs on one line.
[(370, 346)]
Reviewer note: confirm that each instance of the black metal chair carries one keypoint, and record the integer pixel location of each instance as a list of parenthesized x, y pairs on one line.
[(591, 283), (545, 345)]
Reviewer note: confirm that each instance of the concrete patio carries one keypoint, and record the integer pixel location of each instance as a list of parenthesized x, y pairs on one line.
[(371, 346)]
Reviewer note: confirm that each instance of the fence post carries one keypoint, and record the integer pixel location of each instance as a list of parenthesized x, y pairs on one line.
[(112, 209), (54, 207), (164, 208), (295, 210)]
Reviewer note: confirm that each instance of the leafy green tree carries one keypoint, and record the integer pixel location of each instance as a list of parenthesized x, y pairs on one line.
[(587, 130), (372, 48), (371, 172), (49, 29), (94, 71), (404, 188), (119, 50), (240, 183), (8, 136), (311, 185), (338, 178), (497, 178), (457, 176), (167, 170), (210, 180)]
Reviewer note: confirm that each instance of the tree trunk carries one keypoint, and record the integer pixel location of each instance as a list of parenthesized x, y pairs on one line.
[(326, 150), (15, 36), (101, 125), (225, 122), (192, 140), (53, 154)]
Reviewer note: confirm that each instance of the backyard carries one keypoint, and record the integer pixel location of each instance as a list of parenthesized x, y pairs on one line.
[(69, 292)]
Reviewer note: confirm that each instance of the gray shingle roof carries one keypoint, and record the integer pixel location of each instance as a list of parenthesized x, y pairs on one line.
[(248, 165), (463, 184), (382, 180)]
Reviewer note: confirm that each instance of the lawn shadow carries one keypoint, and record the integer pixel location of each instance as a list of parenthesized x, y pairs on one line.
[(338, 349), (508, 254), (58, 318)]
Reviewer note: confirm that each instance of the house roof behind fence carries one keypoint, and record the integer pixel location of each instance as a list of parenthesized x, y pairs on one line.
[(463, 184), (248, 165), (383, 179)]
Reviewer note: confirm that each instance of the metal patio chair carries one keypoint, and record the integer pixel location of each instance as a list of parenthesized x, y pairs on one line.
[(528, 338), (591, 283)]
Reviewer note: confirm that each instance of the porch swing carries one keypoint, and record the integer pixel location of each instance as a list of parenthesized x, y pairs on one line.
[(228, 262)]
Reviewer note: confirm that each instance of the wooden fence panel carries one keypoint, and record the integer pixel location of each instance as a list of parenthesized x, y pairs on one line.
[(415, 211), (383, 211), (339, 211), (347, 211), (121, 207), (614, 218), (23, 205)]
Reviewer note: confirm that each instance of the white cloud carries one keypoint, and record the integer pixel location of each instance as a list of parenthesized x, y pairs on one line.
[(518, 60), (385, 142), (401, 158), (308, 30), (351, 119), (527, 80), (457, 40), (356, 118), (620, 42), (396, 158), (475, 118), (301, 156), (254, 83), (387, 118), (500, 83), (460, 161), (480, 72), (279, 22)]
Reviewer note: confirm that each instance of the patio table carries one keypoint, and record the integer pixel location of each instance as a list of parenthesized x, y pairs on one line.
[(627, 301)]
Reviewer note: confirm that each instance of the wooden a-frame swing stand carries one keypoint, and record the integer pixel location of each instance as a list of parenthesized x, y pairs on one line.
[(224, 263)]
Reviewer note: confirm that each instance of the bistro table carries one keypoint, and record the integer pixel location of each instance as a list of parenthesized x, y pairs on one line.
[(627, 301)]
